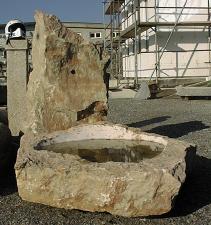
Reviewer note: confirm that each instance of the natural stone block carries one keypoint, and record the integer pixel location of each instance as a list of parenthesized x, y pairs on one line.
[(66, 85), (193, 91), (103, 168)]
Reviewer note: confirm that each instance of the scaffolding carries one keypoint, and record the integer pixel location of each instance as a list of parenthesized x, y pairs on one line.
[(112, 40), (117, 9)]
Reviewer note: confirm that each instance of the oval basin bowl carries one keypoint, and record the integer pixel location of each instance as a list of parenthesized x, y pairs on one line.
[(103, 168)]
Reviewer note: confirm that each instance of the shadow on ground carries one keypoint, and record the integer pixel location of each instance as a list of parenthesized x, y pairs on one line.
[(149, 122), (8, 183), (196, 191), (178, 130)]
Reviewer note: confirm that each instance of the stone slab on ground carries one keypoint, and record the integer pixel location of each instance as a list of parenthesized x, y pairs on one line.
[(122, 93), (174, 82), (66, 85), (143, 92), (193, 91), (148, 187)]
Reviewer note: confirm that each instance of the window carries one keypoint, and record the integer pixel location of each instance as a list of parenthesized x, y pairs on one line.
[(95, 35), (92, 35), (115, 34), (98, 35)]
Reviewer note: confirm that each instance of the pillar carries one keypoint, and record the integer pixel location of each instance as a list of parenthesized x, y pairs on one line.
[(17, 76)]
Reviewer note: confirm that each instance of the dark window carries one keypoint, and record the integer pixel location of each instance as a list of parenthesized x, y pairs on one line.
[(92, 35), (98, 35)]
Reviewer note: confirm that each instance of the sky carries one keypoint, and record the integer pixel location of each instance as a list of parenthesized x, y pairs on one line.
[(66, 10)]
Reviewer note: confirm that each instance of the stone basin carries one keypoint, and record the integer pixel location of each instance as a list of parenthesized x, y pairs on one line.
[(103, 150), (103, 167)]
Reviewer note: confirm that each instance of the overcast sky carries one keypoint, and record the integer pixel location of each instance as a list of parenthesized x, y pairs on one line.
[(66, 10)]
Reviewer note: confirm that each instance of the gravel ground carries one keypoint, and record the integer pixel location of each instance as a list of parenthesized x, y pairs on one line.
[(185, 120)]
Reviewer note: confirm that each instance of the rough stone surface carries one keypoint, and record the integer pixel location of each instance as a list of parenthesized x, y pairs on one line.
[(5, 137), (127, 189), (66, 84)]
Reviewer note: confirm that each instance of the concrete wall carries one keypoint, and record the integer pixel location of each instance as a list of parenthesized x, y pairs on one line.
[(186, 55)]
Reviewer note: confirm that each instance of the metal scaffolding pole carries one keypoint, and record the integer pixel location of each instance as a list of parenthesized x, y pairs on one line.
[(209, 37), (135, 45), (111, 37), (125, 44), (157, 64), (119, 49)]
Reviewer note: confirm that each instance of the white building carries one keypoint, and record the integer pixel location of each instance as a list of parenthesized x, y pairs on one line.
[(164, 38)]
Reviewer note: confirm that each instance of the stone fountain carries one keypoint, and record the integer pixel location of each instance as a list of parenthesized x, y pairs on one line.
[(68, 159)]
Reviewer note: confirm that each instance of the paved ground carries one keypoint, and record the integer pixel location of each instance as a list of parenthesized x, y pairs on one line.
[(185, 120)]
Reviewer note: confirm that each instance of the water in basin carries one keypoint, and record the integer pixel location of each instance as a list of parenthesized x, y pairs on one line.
[(104, 150), (101, 150)]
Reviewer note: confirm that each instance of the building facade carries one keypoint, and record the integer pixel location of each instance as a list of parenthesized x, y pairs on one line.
[(162, 38)]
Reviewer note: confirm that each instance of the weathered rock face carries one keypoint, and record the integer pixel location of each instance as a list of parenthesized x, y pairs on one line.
[(102, 167), (5, 138), (67, 83)]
